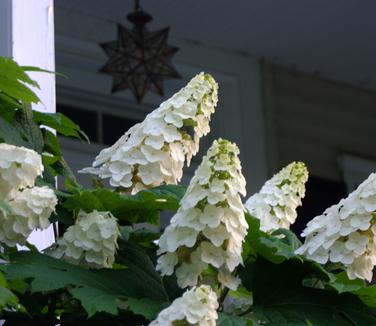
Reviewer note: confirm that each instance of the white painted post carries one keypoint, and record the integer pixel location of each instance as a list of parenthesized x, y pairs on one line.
[(27, 35)]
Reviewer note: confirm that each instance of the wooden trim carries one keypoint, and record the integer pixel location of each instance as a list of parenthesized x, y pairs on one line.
[(270, 113), (6, 28), (27, 35)]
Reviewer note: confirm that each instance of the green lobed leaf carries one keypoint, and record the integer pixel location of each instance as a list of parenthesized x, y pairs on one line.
[(7, 102), (24, 122), (366, 293), (145, 307), (276, 247), (141, 207), (10, 135), (97, 290), (231, 320), (7, 297), (62, 124), (96, 300), (13, 80), (281, 299)]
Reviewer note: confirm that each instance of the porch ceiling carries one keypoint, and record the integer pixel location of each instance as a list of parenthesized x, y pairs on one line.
[(333, 38)]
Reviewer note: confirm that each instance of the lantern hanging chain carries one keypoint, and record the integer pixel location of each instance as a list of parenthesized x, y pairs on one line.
[(137, 6)]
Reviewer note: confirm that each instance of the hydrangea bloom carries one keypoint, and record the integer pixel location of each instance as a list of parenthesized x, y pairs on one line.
[(346, 232), (91, 241), (154, 151), (197, 306), (209, 227), (276, 203), (31, 209), (19, 167)]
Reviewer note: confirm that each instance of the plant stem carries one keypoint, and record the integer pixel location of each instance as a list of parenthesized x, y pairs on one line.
[(222, 298), (245, 311)]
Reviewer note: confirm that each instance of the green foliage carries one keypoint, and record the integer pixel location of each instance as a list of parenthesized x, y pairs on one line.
[(277, 247), (7, 297), (142, 207), (9, 134), (21, 126), (97, 290), (231, 320), (290, 290), (13, 83), (281, 299), (62, 124), (29, 129), (36, 289)]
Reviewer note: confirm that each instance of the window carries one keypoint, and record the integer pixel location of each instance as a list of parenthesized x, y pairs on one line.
[(100, 127)]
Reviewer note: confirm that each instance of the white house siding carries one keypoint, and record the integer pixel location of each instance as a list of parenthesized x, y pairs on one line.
[(316, 121)]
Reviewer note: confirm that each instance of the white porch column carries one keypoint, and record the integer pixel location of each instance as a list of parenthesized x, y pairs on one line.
[(27, 35)]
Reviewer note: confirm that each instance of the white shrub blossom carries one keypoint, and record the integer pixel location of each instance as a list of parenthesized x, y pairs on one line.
[(19, 167), (276, 203), (346, 233), (209, 227), (91, 241), (31, 209), (197, 306), (154, 151)]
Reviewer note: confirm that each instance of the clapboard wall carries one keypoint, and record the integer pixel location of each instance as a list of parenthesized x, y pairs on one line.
[(316, 121)]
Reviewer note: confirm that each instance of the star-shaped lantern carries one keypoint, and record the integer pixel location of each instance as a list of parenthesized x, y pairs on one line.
[(139, 59)]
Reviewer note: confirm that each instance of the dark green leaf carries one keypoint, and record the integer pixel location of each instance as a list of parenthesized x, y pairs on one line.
[(366, 293), (281, 299), (139, 280), (62, 124), (145, 307), (63, 216), (7, 297), (96, 300), (24, 121), (141, 272), (230, 320), (141, 207), (276, 247), (10, 135), (51, 143), (342, 283), (12, 82)]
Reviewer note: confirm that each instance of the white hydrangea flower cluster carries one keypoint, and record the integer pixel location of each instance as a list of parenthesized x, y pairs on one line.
[(210, 226), (30, 206), (91, 241), (276, 203), (19, 167), (154, 151), (346, 233), (31, 209), (197, 306)]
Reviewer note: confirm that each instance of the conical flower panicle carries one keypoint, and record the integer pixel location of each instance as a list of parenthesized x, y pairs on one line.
[(346, 233), (276, 203), (197, 306), (209, 227), (91, 241), (19, 167), (153, 152), (31, 209)]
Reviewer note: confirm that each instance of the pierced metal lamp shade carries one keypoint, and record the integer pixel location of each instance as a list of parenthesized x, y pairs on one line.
[(139, 60)]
